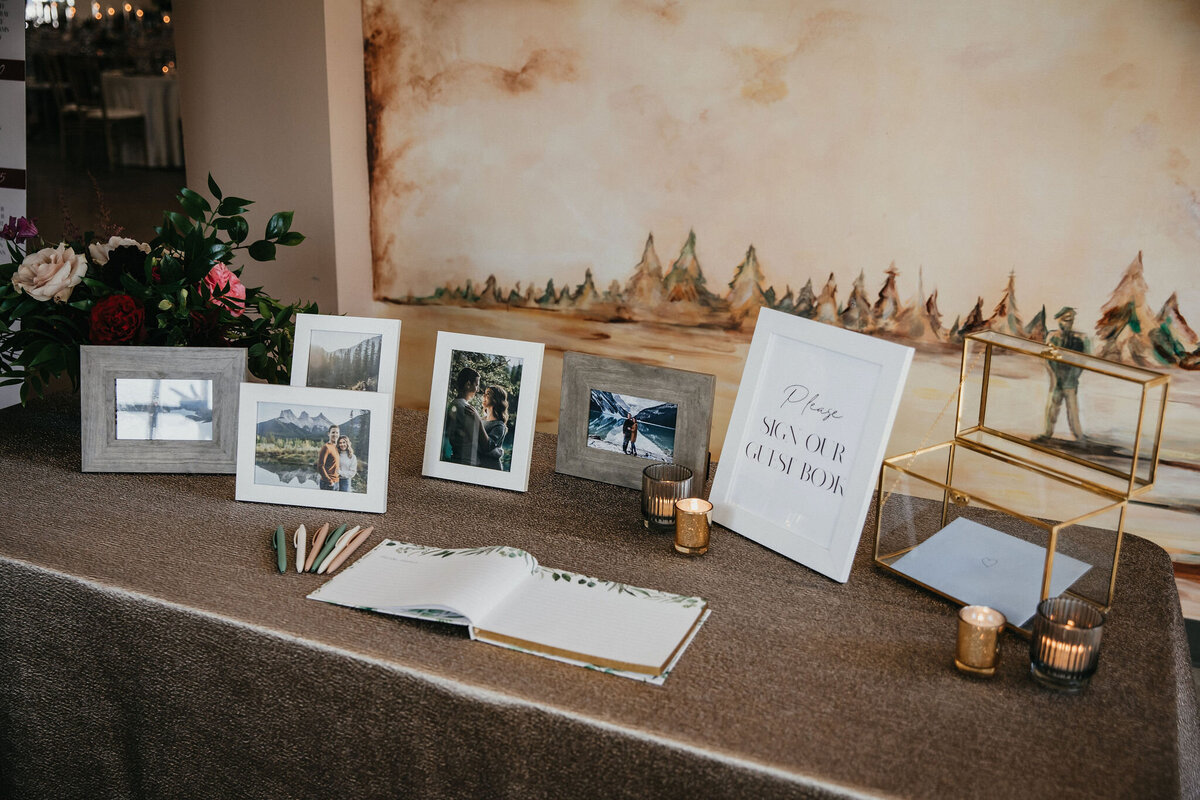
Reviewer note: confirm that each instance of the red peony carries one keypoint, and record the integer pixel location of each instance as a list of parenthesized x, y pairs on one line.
[(117, 319), (233, 293)]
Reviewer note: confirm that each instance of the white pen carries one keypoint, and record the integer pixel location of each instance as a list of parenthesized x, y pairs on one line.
[(337, 548), (300, 540)]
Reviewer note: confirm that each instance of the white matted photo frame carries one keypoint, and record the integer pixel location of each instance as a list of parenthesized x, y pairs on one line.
[(323, 448), (482, 410), (160, 409), (616, 417), (358, 353), (811, 420)]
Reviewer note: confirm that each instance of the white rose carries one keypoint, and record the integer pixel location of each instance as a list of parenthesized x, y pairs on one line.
[(50, 273), (100, 252)]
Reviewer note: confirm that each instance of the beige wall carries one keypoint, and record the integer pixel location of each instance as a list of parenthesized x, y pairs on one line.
[(276, 121)]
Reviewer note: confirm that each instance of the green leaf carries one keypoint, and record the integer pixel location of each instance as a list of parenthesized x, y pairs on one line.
[(219, 251), (194, 204), (233, 205), (82, 305), (291, 239), (238, 230), (181, 223), (47, 353), (212, 187), (279, 224), (29, 304), (262, 251)]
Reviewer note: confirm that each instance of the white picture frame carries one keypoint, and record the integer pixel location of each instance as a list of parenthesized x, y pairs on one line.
[(326, 333), (440, 461), (269, 468), (806, 439)]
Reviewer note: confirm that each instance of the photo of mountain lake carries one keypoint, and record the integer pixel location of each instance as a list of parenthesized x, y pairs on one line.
[(622, 423), (164, 409), (291, 438)]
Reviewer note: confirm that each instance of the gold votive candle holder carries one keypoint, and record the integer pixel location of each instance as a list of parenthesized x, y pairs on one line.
[(1064, 649), (662, 485), (693, 518), (978, 650)]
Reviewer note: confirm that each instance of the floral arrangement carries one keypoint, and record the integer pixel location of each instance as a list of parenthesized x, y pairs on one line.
[(178, 290)]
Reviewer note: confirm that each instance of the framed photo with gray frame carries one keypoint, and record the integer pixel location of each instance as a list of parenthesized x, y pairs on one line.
[(160, 409), (616, 417)]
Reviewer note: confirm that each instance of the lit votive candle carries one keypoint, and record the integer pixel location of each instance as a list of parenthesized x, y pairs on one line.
[(1065, 647), (978, 649), (662, 486), (692, 521)]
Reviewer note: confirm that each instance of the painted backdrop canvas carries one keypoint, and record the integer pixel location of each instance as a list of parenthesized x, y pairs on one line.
[(635, 179)]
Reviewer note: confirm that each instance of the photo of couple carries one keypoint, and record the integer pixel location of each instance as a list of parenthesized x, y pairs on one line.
[(337, 465), (636, 426), (312, 447), (481, 410)]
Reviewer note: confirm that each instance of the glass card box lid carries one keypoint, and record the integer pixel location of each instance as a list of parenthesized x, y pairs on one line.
[(1028, 500)]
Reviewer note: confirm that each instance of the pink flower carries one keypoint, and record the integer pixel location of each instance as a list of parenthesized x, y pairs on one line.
[(18, 229), (221, 281), (52, 272)]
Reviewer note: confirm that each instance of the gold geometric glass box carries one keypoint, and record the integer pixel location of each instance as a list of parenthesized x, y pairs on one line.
[(1050, 444)]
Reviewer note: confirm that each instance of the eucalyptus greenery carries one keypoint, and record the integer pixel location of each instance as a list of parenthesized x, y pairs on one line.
[(184, 291)]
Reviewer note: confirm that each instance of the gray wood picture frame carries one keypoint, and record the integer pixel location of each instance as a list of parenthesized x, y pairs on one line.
[(691, 392), (101, 367)]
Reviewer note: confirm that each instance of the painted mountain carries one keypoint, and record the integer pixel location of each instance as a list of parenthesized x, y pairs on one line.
[(1127, 330)]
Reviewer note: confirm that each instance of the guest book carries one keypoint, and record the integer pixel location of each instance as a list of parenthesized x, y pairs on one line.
[(506, 598)]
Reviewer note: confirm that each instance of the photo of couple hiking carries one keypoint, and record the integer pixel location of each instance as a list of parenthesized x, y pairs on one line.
[(481, 409)]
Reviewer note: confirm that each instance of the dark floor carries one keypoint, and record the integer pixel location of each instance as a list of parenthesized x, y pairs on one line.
[(78, 192)]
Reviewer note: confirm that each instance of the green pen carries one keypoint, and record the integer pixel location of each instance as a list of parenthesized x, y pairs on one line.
[(330, 541), (279, 545)]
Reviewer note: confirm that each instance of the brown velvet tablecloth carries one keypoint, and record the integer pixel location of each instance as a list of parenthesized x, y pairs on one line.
[(148, 648)]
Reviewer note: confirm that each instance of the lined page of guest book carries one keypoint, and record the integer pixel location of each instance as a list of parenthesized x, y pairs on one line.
[(506, 598)]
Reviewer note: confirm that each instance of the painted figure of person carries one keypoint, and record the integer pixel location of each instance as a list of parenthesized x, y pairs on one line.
[(347, 463), (327, 461), (1064, 378), (463, 432)]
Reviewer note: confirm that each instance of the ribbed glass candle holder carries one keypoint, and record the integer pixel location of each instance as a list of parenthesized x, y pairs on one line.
[(662, 486), (1065, 647)]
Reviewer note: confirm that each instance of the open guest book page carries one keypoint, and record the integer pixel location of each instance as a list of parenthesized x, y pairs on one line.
[(506, 598)]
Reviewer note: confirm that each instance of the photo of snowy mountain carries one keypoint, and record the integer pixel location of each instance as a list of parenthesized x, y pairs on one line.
[(622, 423)]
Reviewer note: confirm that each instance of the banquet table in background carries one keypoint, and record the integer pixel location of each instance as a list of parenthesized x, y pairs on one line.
[(148, 649), (157, 97)]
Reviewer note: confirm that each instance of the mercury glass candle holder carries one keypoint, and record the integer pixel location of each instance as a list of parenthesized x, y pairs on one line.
[(1065, 647), (979, 629), (692, 522), (662, 486)]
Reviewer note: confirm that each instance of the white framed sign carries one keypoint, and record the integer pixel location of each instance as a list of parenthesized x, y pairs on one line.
[(334, 352), (482, 410), (809, 427)]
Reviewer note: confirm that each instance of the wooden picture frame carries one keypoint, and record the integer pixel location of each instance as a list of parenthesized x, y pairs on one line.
[(311, 329), (587, 436), (511, 470), (806, 439), (106, 372), (288, 414)]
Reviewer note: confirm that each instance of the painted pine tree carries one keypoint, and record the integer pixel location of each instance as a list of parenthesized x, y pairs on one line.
[(746, 297), (1123, 329)]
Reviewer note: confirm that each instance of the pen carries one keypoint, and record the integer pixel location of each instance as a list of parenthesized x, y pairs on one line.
[(350, 548), (300, 541), (337, 550), (279, 545), (330, 541), (318, 540)]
